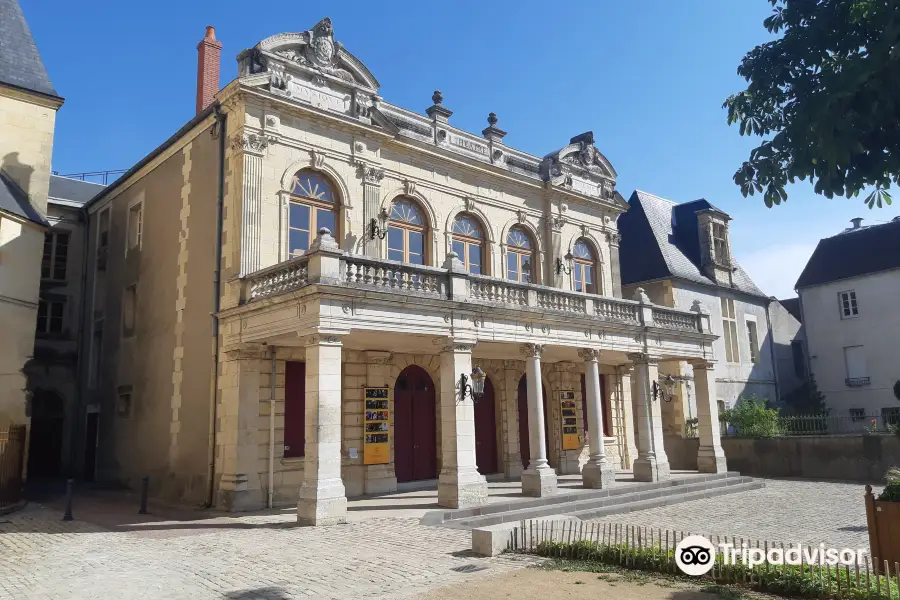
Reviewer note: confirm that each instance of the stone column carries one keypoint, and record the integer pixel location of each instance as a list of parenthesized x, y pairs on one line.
[(652, 464), (627, 420), (539, 479), (371, 178), (711, 456), (615, 270), (237, 445), (322, 497), (512, 373), (253, 146), (460, 485), (598, 472)]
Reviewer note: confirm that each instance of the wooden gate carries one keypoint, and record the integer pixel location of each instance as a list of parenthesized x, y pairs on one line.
[(12, 453)]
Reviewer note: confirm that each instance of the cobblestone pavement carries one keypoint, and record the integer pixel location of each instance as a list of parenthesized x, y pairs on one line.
[(785, 511), (196, 556), (242, 558)]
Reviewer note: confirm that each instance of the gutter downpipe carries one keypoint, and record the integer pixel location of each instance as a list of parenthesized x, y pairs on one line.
[(220, 129), (78, 444), (272, 432), (772, 352)]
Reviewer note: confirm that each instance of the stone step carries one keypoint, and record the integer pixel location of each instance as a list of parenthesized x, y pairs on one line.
[(598, 506), (444, 516)]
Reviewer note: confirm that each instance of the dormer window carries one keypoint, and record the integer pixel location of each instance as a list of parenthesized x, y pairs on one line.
[(720, 244)]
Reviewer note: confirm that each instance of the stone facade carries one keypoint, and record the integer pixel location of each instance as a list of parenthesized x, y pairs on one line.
[(356, 320)]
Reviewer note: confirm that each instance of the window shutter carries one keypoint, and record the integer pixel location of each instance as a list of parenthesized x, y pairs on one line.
[(294, 409)]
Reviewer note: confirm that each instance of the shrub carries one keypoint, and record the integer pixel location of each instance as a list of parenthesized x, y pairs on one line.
[(750, 417), (690, 428)]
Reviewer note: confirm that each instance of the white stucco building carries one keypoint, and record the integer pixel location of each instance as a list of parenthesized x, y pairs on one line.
[(681, 253), (848, 294)]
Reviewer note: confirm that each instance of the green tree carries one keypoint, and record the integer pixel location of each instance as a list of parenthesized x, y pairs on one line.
[(751, 417), (825, 98)]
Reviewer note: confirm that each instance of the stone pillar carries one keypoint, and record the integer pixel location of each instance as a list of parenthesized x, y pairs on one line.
[(237, 445), (615, 269), (652, 464), (253, 146), (371, 178), (322, 497), (539, 479), (627, 421), (512, 457), (598, 472), (460, 485), (710, 457)]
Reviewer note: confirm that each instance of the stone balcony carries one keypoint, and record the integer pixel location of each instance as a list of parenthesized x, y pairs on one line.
[(449, 301)]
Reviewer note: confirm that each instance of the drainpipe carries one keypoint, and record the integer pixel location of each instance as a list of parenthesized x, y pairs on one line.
[(772, 351), (272, 433), (76, 442), (219, 128)]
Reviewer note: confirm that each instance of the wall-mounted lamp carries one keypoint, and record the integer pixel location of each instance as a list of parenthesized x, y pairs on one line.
[(564, 267), (375, 230), (475, 390), (666, 392)]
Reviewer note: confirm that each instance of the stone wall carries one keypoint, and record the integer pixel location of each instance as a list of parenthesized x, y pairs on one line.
[(863, 458)]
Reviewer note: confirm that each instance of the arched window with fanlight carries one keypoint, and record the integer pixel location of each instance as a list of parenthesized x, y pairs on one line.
[(584, 268), (313, 204), (468, 242), (519, 256), (406, 232)]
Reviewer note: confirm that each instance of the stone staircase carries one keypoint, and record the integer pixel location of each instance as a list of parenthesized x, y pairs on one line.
[(593, 504)]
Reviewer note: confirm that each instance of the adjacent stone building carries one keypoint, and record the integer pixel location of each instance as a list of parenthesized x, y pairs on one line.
[(848, 293), (28, 105), (680, 254), (309, 293)]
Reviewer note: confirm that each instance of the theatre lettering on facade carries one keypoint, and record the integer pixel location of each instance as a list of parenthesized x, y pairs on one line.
[(394, 300)]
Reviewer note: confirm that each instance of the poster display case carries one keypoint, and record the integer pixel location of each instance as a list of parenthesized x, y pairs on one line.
[(376, 419)]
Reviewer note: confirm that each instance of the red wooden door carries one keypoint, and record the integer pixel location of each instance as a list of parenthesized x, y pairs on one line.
[(524, 442), (294, 409), (415, 432), (486, 431)]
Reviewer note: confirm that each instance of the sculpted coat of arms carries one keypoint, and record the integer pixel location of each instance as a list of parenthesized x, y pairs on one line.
[(319, 51)]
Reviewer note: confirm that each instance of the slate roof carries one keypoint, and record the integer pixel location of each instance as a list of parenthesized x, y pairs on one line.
[(14, 200), (73, 190), (792, 305), (660, 240), (20, 62), (852, 253)]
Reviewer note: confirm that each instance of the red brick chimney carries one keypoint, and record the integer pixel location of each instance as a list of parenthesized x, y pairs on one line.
[(209, 52)]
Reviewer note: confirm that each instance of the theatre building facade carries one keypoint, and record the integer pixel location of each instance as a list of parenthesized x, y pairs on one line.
[(309, 294)]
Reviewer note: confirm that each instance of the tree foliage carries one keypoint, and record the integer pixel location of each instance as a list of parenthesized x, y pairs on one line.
[(825, 98), (751, 417)]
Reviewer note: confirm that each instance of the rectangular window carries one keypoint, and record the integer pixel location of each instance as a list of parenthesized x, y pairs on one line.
[(294, 409), (56, 252), (849, 308), (129, 306), (135, 225), (754, 341), (97, 354), (857, 414), (720, 244), (855, 363), (103, 229), (799, 362), (729, 327), (50, 316), (123, 405), (890, 416)]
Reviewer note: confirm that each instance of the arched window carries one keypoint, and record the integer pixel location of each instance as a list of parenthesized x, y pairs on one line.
[(406, 232), (585, 267), (519, 256), (467, 242), (312, 205)]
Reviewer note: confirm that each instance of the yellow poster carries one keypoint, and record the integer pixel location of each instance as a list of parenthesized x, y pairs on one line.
[(376, 444), (569, 418)]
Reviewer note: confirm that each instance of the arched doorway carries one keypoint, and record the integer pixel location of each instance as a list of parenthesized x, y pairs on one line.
[(486, 431), (415, 431), (45, 445), (524, 442)]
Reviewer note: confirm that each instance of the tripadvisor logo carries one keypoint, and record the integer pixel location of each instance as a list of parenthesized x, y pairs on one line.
[(695, 555)]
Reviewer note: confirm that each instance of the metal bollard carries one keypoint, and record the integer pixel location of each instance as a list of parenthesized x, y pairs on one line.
[(145, 485), (67, 516)]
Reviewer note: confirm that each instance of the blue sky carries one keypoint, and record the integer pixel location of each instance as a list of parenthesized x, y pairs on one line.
[(648, 77)]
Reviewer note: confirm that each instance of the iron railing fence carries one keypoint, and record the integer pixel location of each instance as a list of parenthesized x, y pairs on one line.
[(812, 424)]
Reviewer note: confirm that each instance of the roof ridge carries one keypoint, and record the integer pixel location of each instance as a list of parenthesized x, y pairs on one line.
[(672, 202)]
